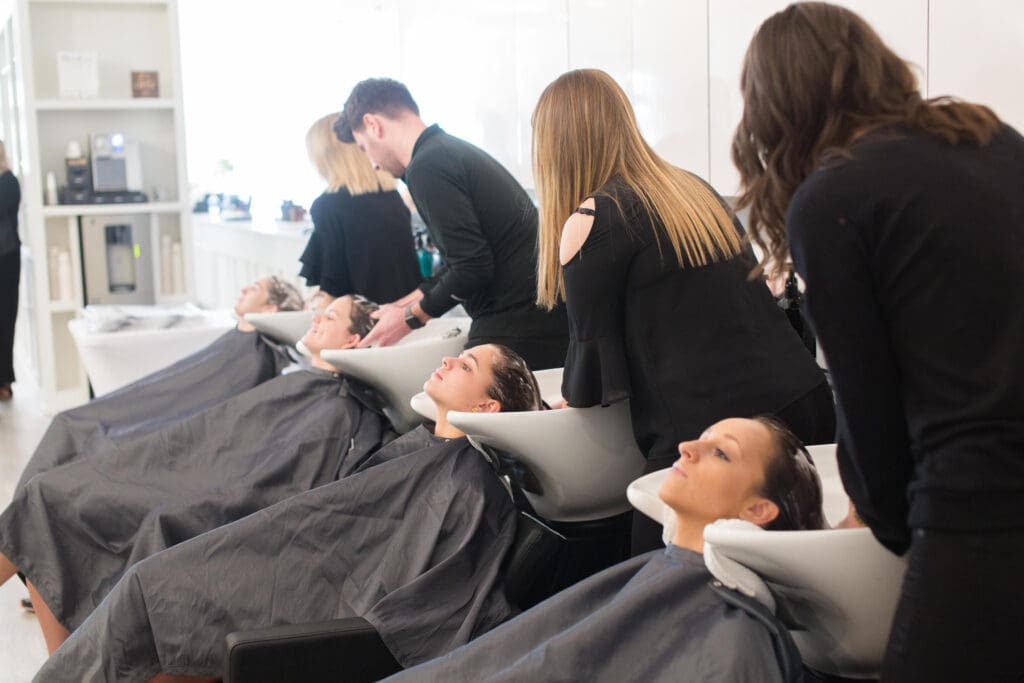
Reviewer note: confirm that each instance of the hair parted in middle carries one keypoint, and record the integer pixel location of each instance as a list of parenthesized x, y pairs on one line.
[(342, 164), (584, 134)]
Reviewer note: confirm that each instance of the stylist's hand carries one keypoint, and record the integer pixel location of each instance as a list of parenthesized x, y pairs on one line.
[(390, 326)]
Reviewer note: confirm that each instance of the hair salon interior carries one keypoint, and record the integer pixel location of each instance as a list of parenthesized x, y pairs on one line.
[(534, 340)]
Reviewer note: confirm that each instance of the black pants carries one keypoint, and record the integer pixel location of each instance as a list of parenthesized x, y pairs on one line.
[(961, 613), (812, 417), (10, 272)]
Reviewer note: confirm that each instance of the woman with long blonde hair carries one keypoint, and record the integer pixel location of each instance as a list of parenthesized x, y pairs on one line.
[(905, 218), (655, 276), (10, 271), (362, 235)]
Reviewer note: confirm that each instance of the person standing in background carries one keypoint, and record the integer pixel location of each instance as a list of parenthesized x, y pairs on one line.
[(479, 217), (905, 218), (362, 239), (10, 271)]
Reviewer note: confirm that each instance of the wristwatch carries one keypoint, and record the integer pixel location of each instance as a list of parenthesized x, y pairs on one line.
[(411, 320)]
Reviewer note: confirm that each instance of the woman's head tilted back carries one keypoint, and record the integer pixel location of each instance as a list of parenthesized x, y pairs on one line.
[(816, 76), (268, 295), (341, 164), (584, 134), (342, 325), (488, 378), (751, 469)]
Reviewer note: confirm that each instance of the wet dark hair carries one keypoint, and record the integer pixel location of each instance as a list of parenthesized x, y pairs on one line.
[(373, 96), (283, 294), (514, 385), (791, 481), (361, 323)]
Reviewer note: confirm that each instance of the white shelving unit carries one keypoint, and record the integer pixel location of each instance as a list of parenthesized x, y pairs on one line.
[(126, 35)]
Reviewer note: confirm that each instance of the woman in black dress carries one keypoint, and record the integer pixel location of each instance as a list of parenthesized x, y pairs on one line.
[(905, 217), (10, 271), (656, 280), (362, 235)]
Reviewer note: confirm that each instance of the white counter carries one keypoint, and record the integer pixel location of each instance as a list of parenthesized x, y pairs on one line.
[(231, 254)]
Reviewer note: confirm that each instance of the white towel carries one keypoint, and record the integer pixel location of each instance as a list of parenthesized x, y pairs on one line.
[(730, 572)]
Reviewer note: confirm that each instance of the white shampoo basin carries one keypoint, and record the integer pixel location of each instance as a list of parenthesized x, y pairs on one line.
[(839, 587), (284, 327), (582, 458), (398, 372)]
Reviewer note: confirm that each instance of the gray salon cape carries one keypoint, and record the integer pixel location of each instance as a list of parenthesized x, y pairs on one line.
[(233, 363), (655, 618), (413, 542), (74, 529)]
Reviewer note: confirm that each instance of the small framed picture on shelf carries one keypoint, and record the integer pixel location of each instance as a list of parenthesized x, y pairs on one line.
[(145, 84)]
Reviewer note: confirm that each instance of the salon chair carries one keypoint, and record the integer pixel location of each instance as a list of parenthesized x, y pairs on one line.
[(284, 327), (836, 590), (398, 372)]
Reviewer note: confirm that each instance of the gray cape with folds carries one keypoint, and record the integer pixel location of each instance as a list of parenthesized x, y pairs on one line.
[(74, 529), (233, 363), (655, 618), (413, 542)]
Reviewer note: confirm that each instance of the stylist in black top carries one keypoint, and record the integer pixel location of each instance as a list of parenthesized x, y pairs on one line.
[(10, 271), (905, 217), (662, 310), (362, 235), (480, 218)]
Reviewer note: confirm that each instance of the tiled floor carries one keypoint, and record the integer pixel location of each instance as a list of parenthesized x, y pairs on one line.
[(22, 423)]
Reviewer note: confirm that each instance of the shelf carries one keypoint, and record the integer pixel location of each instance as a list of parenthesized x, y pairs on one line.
[(111, 209), (106, 104)]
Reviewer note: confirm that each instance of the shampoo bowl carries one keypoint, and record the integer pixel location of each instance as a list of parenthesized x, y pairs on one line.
[(284, 327), (398, 372), (836, 589)]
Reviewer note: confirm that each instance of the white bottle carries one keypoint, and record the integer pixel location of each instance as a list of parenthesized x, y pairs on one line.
[(177, 269), (166, 276), (64, 275), (51, 188)]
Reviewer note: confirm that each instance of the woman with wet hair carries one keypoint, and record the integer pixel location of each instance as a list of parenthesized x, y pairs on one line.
[(661, 616), (73, 530), (905, 218), (412, 542), (362, 235), (235, 362), (656, 279)]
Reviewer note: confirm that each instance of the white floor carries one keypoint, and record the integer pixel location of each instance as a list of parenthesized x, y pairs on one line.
[(22, 424)]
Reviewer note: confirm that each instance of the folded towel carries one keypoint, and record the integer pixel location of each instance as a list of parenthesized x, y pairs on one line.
[(730, 572)]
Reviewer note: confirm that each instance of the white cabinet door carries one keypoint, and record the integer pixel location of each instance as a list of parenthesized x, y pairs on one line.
[(976, 52), (902, 25)]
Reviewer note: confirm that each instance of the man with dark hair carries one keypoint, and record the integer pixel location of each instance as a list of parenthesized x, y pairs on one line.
[(478, 215)]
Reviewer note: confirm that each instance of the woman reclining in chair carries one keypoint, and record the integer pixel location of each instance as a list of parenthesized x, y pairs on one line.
[(73, 530), (413, 542), (233, 363), (661, 616)]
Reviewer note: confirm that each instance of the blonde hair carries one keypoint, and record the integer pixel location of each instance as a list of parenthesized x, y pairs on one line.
[(584, 133), (342, 164)]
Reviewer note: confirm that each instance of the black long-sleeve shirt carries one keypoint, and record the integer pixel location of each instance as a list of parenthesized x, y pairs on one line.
[(10, 199), (913, 255), (481, 220)]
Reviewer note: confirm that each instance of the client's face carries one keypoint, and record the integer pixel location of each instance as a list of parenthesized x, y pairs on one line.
[(718, 475), (253, 298), (462, 383), (330, 329)]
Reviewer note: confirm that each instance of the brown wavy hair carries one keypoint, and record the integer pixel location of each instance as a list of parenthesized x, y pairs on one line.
[(514, 385), (815, 78), (584, 134)]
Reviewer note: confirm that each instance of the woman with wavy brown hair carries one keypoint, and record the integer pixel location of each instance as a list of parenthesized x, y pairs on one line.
[(905, 217), (654, 272)]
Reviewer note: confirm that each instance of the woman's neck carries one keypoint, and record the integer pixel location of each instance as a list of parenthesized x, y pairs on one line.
[(443, 428), (689, 534), (321, 364)]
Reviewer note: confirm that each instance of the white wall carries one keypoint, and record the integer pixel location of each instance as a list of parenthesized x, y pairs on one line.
[(254, 83)]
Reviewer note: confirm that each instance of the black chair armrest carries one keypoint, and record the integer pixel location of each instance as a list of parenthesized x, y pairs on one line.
[(341, 651)]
